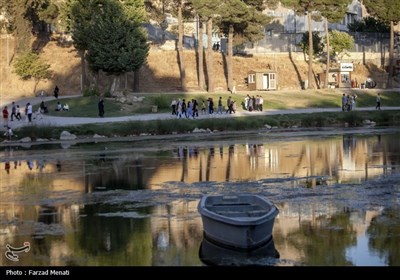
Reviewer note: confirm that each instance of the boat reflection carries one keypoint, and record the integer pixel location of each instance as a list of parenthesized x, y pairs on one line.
[(215, 255)]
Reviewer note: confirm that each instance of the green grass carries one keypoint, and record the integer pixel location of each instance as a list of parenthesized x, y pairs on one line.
[(87, 106), (160, 127)]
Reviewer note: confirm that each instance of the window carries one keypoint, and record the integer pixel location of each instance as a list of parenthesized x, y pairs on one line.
[(252, 78)]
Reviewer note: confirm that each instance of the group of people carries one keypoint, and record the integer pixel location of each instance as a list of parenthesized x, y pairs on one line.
[(60, 107), (16, 113), (191, 109), (349, 102), (252, 103), (182, 109)]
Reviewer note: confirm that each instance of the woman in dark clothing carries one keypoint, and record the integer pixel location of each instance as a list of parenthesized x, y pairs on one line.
[(101, 108)]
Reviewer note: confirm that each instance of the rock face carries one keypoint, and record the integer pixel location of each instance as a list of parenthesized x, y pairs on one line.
[(65, 135)]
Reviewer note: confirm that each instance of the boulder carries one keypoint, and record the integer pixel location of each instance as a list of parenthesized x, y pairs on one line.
[(65, 135)]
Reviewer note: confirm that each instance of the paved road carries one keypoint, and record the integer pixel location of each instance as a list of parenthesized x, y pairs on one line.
[(42, 119)]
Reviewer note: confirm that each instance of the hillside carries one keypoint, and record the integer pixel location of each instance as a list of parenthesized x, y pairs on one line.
[(161, 74)]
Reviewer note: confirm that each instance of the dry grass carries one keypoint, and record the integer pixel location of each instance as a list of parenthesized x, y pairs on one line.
[(161, 73)]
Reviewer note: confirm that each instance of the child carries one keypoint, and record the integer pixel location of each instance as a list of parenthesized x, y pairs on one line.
[(9, 133)]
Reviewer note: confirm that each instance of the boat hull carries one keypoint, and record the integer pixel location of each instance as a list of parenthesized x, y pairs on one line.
[(242, 222)]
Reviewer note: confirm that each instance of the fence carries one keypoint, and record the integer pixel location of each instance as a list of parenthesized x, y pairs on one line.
[(285, 42)]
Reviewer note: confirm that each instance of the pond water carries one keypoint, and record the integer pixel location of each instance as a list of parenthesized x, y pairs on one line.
[(135, 204)]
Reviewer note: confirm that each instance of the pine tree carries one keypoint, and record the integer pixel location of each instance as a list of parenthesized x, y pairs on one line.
[(388, 11), (232, 15), (116, 44), (333, 11), (306, 7), (207, 9), (108, 34)]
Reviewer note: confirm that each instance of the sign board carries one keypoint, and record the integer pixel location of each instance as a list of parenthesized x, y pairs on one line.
[(346, 67)]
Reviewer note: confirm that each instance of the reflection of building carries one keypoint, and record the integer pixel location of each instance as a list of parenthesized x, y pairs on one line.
[(325, 220), (67, 224), (334, 159)]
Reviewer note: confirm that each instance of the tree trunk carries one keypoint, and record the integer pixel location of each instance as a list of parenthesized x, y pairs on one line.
[(95, 83), (35, 84), (391, 51), (126, 81), (328, 53), (210, 60), (83, 70), (229, 61), (180, 47), (136, 80), (115, 85), (310, 51), (200, 51)]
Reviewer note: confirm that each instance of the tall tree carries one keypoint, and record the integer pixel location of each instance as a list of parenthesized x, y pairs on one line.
[(200, 51), (116, 44), (182, 68), (184, 11), (88, 21), (231, 15), (387, 11), (306, 7), (77, 17), (207, 9), (333, 11), (18, 24), (241, 21)]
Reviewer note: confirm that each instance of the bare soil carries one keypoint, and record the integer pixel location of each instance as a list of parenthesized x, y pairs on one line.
[(161, 73)]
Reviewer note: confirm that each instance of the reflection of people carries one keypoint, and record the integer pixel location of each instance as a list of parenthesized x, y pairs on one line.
[(7, 167), (58, 165), (101, 108)]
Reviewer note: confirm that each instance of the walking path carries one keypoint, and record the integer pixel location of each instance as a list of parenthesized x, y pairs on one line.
[(42, 119)]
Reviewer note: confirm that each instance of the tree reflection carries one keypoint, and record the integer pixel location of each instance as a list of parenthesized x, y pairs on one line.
[(111, 240), (384, 231), (324, 240)]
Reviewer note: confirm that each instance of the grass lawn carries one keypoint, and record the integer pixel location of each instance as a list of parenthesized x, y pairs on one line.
[(87, 106)]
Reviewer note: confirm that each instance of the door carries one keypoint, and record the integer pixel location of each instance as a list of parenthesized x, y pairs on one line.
[(265, 82), (345, 80)]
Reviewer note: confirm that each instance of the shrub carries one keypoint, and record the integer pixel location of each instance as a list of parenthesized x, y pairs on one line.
[(162, 101)]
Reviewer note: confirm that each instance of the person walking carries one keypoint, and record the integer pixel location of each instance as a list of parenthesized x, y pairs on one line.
[(56, 91), (101, 107), (29, 111), (378, 102), (13, 111), (18, 113)]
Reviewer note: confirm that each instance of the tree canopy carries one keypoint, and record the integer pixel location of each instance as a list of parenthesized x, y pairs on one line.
[(340, 42), (369, 24), (30, 66), (108, 34)]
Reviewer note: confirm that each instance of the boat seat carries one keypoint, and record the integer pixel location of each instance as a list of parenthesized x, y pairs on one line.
[(253, 213)]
